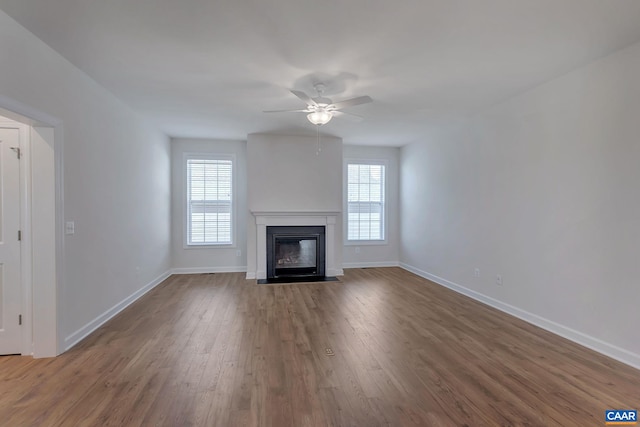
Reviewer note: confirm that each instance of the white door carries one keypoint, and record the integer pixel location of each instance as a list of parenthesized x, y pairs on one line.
[(10, 288)]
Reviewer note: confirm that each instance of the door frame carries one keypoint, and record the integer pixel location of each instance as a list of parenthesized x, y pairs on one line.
[(41, 219)]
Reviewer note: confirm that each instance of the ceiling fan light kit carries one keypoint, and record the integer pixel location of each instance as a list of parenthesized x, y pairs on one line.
[(320, 117)]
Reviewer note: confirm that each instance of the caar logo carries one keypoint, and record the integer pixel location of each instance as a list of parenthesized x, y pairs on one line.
[(620, 417)]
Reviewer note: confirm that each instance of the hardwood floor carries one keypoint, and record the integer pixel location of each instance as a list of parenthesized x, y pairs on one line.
[(381, 347)]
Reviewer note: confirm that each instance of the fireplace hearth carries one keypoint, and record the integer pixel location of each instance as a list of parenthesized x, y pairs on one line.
[(295, 253)]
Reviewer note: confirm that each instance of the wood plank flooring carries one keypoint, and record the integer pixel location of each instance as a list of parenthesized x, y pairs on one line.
[(381, 347)]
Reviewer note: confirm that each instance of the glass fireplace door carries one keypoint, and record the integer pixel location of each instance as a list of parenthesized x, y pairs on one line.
[(296, 256)]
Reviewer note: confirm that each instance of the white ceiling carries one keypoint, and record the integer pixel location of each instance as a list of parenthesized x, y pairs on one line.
[(208, 68)]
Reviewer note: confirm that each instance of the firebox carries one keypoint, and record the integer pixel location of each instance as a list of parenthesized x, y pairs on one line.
[(295, 252)]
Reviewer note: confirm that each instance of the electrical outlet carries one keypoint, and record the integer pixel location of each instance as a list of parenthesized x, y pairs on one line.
[(239, 252), (357, 249), (499, 280), (476, 272)]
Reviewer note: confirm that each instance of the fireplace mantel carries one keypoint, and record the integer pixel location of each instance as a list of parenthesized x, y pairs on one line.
[(308, 218), (258, 214)]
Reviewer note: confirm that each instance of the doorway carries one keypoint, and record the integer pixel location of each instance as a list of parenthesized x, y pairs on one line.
[(39, 210), (11, 300)]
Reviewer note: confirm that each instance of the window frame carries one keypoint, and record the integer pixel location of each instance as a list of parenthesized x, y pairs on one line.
[(345, 201), (185, 199)]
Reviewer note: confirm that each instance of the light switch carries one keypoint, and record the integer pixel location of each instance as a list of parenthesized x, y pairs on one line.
[(69, 227)]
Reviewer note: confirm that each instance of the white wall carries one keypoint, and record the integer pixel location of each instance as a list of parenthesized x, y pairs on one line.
[(387, 254), (542, 189), (286, 175), (116, 182), (210, 259)]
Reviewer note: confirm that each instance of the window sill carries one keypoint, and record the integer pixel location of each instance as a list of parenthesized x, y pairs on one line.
[(210, 246), (365, 242)]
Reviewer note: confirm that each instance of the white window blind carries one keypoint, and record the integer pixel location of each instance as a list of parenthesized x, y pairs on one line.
[(209, 197), (365, 201)]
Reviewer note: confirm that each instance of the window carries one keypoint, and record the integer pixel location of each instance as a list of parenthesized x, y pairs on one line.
[(209, 200), (365, 201)]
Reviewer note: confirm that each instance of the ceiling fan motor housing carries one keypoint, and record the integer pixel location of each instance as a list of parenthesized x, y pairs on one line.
[(321, 101)]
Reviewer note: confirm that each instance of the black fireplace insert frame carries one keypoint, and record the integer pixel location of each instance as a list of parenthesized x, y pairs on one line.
[(316, 232)]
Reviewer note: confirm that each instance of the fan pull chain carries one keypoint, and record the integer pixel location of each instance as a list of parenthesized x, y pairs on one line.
[(318, 147)]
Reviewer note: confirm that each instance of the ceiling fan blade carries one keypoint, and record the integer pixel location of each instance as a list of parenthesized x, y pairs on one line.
[(287, 111), (348, 116), (351, 102), (303, 96)]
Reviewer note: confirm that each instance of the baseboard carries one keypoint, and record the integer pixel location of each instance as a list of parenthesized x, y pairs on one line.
[(251, 275), (370, 264), (585, 340), (83, 332), (201, 270)]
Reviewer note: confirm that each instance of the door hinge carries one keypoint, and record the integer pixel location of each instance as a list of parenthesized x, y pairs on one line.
[(19, 235), (20, 319), (17, 150)]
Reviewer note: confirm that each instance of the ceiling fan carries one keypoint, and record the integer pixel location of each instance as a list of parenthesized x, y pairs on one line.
[(321, 110)]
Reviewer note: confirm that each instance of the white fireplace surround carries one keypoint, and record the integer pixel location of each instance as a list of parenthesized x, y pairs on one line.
[(327, 219)]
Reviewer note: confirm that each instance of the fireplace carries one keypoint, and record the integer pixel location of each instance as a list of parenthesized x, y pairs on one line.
[(257, 246), (295, 253)]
